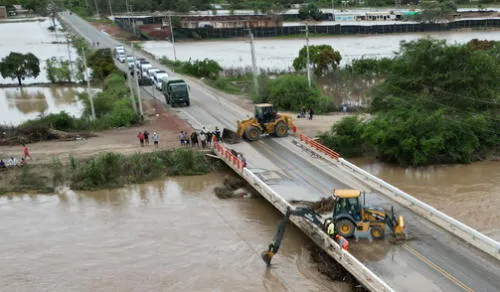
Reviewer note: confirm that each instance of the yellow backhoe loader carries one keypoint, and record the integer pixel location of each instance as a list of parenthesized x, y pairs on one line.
[(265, 121), (349, 215)]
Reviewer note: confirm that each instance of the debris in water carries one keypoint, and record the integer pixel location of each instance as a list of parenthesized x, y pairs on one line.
[(234, 182), (223, 192), (234, 187)]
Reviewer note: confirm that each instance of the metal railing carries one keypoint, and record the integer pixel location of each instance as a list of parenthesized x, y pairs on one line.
[(348, 261), (459, 229)]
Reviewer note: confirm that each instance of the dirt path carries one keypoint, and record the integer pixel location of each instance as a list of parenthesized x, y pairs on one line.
[(122, 140)]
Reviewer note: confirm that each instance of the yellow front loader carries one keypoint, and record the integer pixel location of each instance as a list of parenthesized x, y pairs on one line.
[(265, 121)]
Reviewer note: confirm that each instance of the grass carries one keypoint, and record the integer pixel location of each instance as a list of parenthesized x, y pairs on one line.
[(107, 170), (230, 84)]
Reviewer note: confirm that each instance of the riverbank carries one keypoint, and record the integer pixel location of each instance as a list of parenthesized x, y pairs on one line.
[(106, 170)]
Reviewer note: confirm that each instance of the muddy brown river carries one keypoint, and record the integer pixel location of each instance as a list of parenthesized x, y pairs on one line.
[(176, 235), (172, 235), (467, 192)]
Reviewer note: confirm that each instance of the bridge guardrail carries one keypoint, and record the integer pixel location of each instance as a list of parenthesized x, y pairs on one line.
[(319, 146), (355, 267), (459, 229)]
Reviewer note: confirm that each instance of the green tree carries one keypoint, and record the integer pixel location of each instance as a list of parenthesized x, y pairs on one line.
[(102, 64), (438, 104), (310, 11), (323, 58), (20, 66), (292, 92), (437, 10), (58, 70)]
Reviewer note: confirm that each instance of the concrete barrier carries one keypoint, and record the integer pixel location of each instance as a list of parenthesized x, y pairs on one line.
[(459, 229), (349, 262)]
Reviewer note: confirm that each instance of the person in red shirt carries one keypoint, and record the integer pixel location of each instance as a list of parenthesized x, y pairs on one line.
[(140, 136), (26, 152)]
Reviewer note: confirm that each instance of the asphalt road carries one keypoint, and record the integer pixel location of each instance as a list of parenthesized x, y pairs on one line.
[(432, 260)]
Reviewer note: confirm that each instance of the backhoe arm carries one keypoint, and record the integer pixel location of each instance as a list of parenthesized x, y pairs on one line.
[(274, 246)]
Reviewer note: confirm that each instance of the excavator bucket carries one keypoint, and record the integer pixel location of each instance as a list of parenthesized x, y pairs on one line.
[(267, 256), (229, 136)]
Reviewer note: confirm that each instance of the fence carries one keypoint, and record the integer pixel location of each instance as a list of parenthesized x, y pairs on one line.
[(228, 156), (318, 146), (338, 29)]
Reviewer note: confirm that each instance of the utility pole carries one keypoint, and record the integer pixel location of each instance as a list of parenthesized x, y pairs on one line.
[(91, 98), (333, 10), (69, 57), (172, 34), (132, 99), (129, 12), (308, 61), (254, 64), (96, 9), (138, 91), (111, 10)]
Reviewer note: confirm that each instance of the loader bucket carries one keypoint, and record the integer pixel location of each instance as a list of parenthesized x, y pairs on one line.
[(229, 136)]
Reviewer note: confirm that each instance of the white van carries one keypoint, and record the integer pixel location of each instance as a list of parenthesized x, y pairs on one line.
[(158, 76)]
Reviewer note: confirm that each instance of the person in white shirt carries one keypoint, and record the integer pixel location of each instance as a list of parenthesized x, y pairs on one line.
[(12, 162)]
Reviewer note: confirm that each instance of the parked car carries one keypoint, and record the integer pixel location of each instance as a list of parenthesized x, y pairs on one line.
[(130, 61), (117, 51), (138, 62), (144, 69), (158, 76), (121, 57), (151, 72)]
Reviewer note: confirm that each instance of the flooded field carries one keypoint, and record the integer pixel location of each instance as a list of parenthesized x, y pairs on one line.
[(278, 54), (468, 193), (19, 105), (172, 235), (33, 37)]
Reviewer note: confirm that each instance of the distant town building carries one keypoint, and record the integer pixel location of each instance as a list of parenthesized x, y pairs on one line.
[(3, 12), (242, 21)]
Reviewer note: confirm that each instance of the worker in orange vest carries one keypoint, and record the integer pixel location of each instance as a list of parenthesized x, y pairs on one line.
[(342, 242)]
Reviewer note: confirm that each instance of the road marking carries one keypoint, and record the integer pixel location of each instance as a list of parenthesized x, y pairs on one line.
[(437, 268)]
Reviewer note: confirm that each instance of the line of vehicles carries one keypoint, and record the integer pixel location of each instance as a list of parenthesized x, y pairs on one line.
[(174, 89)]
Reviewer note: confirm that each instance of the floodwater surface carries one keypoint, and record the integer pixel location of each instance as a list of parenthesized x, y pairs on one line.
[(34, 37), (172, 235), (278, 54), (18, 105), (467, 192)]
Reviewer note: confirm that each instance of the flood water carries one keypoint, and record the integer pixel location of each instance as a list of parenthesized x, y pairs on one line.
[(33, 37), (467, 192), (278, 54), (18, 105), (172, 235)]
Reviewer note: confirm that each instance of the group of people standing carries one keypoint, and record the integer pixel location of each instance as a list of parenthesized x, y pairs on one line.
[(303, 112), (205, 137), (144, 138)]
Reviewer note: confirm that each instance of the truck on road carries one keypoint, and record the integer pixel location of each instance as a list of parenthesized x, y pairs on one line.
[(176, 91)]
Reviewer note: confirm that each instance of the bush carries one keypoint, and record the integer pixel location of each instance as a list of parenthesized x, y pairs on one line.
[(123, 114), (345, 137), (292, 92), (115, 170), (202, 69)]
